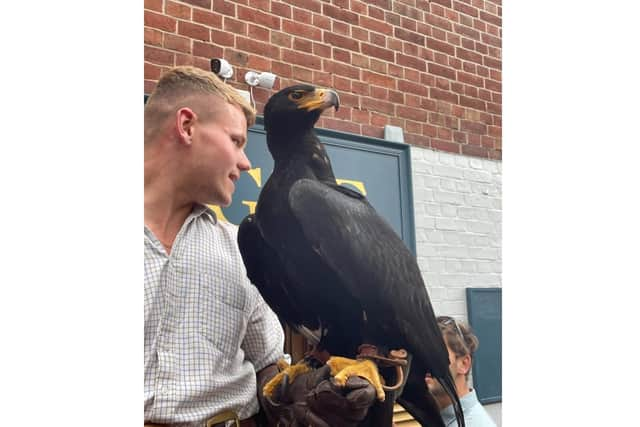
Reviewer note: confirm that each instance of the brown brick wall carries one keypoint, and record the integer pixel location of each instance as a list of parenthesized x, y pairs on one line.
[(430, 67)]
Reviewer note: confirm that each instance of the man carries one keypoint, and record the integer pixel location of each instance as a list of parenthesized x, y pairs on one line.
[(210, 340), (461, 344)]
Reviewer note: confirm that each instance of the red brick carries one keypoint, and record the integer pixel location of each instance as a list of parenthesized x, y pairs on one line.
[(463, 8), (442, 71), (320, 21), (472, 103), (442, 95), (281, 69), (341, 28), (488, 17), (342, 55), (469, 32), (412, 87), (322, 50), (360, 88), (375, 25), (280, 9), (340, 14), (257, 47), (236, 58), (377, 52), (302, 16), (411, 113), (259, 17), (409, 36), (451, 147), (151, 71), (181, 44), (152, 37), (312, 5), (234, 26), (341, 41), (160, 22), (440, 46), (177, 10), (207, 50), (492, 63), (377, 39), (361, 61), (207, 18), (445, 3), (493, 85), (323, 79), (260, 33), (281, 39), (302, 74), (224, 7), (373, 104), (471, 79), (302, 45), (303, 59), (263, 5), (472, 150), (412, 62), (206, 4), (303, 30), (343, 126), (375, 12), (159, 56), (341, 69), (193, 31), (155, 5), (438, 21), (392, 18)]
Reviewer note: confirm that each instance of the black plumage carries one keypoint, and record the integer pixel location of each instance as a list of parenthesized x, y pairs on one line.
[(323, 258)]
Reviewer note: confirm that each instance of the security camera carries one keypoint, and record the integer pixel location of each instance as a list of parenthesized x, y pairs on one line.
[(222, 68), (265, 80)]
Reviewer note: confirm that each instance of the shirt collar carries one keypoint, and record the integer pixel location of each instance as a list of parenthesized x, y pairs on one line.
[(467, 402), (199, 210)]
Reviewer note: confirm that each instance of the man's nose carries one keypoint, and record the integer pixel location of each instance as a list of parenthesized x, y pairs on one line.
[(244, 164)]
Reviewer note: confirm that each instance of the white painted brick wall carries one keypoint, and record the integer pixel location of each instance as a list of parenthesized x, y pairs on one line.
[(458, 213)]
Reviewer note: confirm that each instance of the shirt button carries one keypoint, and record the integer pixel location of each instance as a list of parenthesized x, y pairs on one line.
[(164, 390)]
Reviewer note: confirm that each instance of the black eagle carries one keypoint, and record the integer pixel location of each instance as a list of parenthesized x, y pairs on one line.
[(324, 259)]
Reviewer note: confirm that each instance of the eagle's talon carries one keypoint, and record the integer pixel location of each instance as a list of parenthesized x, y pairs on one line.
[(342, 368)]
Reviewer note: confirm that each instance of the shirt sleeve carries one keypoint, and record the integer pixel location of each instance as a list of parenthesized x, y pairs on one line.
[(263, 343)]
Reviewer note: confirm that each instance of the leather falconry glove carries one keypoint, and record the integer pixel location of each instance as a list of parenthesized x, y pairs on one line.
[(312, 399)]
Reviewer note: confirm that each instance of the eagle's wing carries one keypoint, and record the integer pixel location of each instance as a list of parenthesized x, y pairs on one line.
[(373, 263), (267, 273)]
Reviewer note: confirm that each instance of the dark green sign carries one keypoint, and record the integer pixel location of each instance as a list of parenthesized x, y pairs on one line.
[(379, 169)]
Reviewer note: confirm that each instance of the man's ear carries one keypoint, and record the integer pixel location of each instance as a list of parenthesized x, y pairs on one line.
[(463, 364), (185, 119)]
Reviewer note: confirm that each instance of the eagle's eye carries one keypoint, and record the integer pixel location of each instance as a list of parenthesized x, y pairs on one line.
[(295, 95)]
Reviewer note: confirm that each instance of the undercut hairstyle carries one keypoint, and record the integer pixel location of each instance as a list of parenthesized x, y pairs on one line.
[(187, 86)]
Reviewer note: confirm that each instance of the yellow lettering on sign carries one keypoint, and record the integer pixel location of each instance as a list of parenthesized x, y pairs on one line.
[(256, 174), (218, 213), (358, 184), (251, 205)]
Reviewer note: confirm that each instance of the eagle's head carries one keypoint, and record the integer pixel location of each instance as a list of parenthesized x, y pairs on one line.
[(298, 106)]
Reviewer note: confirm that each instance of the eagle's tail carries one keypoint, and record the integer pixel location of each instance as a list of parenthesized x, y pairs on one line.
[(449, 386)]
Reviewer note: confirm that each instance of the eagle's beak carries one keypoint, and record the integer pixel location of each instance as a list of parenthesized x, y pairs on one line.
[(321, 99)]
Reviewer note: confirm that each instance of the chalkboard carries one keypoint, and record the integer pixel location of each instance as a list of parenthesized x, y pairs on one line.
[(484, 306)]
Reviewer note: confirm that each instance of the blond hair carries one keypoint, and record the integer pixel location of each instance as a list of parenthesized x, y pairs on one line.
[(185, 86)]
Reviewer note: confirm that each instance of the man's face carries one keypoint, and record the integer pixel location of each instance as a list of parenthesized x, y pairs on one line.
[(434, 386), (218, 156)]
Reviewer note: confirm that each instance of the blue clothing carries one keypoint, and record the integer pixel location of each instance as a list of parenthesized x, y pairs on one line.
[(474, 413)]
